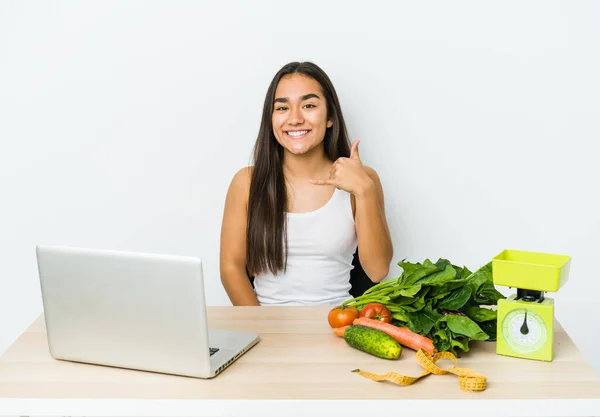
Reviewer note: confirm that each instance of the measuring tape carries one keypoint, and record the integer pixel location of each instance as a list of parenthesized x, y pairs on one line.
[(467, 379)]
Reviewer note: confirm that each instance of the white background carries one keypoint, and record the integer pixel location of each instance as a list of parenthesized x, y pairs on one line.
[(122, 124)]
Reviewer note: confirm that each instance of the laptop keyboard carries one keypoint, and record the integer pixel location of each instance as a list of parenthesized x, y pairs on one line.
[(213, 351)]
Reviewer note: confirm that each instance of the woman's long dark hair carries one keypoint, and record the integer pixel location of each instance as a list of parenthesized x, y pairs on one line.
[(266, 238)]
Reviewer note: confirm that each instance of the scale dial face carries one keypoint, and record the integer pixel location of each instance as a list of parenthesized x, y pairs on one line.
[(524, 331)]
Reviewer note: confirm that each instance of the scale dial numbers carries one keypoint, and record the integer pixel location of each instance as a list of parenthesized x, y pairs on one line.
[(524, 331)]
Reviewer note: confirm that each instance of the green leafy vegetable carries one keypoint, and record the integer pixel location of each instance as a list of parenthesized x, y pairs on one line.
[(463, 325), (480, 314), (441, 301), (456, 299)]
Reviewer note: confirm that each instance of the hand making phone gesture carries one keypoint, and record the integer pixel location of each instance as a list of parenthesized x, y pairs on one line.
[(348, 174)]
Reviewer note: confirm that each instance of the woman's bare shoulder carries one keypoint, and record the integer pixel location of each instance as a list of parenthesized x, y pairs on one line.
[(376, 180), (243, 176), (371, 173), (240, 183)]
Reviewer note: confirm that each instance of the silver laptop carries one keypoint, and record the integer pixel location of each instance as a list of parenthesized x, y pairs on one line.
[(132, 310)]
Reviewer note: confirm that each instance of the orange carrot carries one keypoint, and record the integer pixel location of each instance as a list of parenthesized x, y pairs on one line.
[(339, 331), (402, 335)]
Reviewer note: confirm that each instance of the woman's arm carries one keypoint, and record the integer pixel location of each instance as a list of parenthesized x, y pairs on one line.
[(374, 241), (233, 242)]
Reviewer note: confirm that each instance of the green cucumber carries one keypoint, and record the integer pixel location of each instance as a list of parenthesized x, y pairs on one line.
[(372, 341)]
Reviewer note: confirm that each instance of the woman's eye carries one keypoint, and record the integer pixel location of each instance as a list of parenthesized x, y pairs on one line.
[(281, 108), (311, 106)]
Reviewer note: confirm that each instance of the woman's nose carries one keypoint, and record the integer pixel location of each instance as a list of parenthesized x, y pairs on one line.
[(295, 117)]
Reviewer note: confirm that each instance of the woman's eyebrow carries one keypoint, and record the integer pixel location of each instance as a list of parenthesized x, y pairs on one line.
[(302, 98)]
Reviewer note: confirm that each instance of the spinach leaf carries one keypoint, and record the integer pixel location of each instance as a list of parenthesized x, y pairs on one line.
[(413, 322), (456, 299), (441, 291), (399, 316), (490, 327), (442, 264), (488, 295), (442, 339), (482, 283), (462, 273), (480, 314), (403, 301), (416, 273), (410, 291), (465, 326), (425, 319), (408, 268), (440, 277), (416, 305), (460, 342), (423, 294), (480, 277)]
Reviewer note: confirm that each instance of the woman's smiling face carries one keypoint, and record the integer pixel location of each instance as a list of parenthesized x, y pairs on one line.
[(299, 114)]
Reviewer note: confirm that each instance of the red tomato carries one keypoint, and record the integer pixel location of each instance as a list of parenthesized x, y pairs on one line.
[(376, 311), (342, 316)]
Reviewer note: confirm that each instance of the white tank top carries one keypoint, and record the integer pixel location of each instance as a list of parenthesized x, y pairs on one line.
[(321, 246)]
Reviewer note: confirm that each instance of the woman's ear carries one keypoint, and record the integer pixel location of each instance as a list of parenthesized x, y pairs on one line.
[(329, 123)]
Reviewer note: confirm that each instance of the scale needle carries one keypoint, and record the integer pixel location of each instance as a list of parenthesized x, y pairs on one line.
[(524, 328)]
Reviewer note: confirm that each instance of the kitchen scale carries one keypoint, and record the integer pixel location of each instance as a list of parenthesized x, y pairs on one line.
[(526, 319)]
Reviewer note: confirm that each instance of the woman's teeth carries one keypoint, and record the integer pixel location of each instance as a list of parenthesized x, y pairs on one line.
[(297, 134)]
